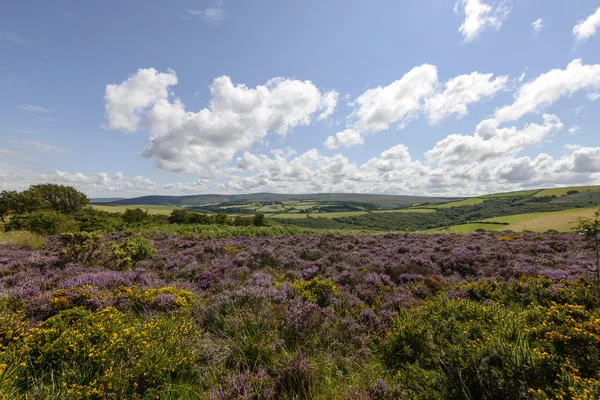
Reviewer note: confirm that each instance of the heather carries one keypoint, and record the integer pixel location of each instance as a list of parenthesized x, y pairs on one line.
[(139, 315)]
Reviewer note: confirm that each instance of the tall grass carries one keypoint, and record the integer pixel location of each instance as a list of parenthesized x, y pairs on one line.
[(23, 239)]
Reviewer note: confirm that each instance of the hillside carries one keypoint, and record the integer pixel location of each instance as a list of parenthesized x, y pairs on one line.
[(208, 199)]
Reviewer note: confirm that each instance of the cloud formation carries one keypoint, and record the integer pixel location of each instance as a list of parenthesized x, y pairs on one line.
[(586, 28), (236, 118), (479, 16), (549, 87)]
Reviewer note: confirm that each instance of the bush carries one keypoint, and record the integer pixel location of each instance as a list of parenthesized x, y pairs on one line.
[(316, 291), (131, 250), (259, 220), (135, 216), (105, 354), (46, 222), (80, 247)]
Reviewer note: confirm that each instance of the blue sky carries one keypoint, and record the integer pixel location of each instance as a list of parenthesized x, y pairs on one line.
[(410, 97)]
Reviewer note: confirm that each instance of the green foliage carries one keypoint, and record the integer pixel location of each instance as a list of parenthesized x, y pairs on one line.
[(133, 249), (60, 198), (259, 219), (46, 222), (103, 354), (316, 291), (80, 247), (590, 229), (135, 216), (92, 220)]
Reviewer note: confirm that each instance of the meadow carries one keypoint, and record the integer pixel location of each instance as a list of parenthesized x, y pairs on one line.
[(562, 221), (391, 316)]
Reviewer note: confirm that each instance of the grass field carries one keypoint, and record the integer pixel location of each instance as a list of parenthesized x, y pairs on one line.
[(275, 208), (562, 191), (349, 213), (465, 202), (561, 221), (510, 194), (152, 209)]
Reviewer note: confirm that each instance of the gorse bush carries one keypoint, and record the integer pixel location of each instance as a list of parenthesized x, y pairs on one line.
[(80, 247), (133, 249), (47, 222), (316, 291), (93, 355)]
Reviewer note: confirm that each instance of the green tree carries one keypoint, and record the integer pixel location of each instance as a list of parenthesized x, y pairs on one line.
[(178, 217), (220, 219), (60, 198), (135, 215), (259, 219), (590, 229)]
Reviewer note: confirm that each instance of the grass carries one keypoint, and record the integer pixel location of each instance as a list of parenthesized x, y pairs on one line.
[(562, 191), (349, 213), (152, 209), (465, 202), (510, 194), (275, 208), (23, 239), (561, 221)]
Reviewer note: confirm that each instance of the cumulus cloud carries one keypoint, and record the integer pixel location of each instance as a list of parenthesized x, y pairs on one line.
[(461, 91), (537, 26), (586, 28), (348, 137), (489, 142), (237, 116), (478, 16), (549, 87), (381, 107)]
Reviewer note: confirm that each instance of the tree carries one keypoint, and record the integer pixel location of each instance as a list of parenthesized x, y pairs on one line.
[(20, 202), (178, 217), (135, 215), (259, 219), (220, 219), (590, 229), (60, 198)]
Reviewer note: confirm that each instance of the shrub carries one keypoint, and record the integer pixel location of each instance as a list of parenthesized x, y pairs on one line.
[(131, 250), (80, 247), (259, 219), (105, 354), (316, 291), (47, 222), (135, 216)]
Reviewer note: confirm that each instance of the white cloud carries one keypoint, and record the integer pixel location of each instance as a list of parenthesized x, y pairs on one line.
[(13, 38), (41, 147), (235, 119), (126, 102), (478, 16), (573, 129), (547, 88), (328, 103), (490, 142), (586, 28), (461, 91), (32, 108), (594, 96), (348, 137), (381, 107), (537, 26), (213, 15)]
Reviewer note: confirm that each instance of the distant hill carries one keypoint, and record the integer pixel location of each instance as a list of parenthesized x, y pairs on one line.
[(203, 199), (95, 200)]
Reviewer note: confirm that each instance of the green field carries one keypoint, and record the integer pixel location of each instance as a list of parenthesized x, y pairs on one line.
[(152, 209), (562, 191), (561, 221), (465, 202), (349, 213), (510, 194)]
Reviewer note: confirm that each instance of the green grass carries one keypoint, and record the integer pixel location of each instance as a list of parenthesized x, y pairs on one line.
[(349, 213), (23, 239), (561, 221), (511, 194), (152, 209), (563, 191), (465, 202), (274, 208)]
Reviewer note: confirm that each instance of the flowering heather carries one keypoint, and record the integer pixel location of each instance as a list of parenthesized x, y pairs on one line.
[(334, 316)]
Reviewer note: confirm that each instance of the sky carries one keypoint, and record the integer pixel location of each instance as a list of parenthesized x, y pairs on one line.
[(421, 97)]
